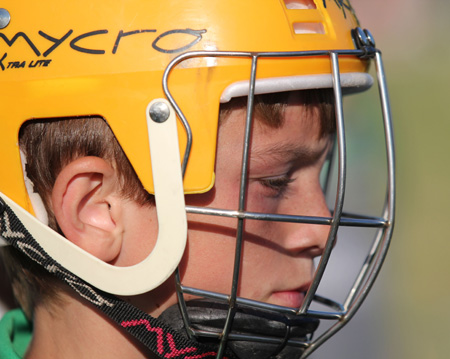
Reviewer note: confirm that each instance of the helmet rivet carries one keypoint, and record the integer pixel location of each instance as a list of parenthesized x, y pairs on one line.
[(361, 37), (369, 37), (5, 18), (159, 112)]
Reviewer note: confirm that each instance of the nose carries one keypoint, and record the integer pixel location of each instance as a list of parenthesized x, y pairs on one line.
[(306, 237)]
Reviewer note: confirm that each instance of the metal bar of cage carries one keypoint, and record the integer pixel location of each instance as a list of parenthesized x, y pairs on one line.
[(243, 302), (347, 219), (340, 192), (362, 285), (354, 300), (331, 158), (242, 199), (365, 270)]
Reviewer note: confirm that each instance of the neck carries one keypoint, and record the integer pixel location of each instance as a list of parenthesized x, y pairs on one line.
[(77, 330)]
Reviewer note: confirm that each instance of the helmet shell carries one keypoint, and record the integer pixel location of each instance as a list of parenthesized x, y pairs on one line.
[(107, 58)]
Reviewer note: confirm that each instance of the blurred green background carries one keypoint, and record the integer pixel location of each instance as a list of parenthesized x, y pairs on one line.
[(408, 315)]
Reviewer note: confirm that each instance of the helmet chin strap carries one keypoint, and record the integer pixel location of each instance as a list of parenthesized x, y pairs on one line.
[(256, 333), (155, 334), (166, 336), (162, 261)]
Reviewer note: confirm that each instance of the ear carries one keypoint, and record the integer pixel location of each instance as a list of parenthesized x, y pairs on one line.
[(86, 204)]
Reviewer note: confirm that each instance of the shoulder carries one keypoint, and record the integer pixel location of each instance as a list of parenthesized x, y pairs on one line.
[(15, 334)]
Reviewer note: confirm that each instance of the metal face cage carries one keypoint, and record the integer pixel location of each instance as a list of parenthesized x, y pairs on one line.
[(337, 312)]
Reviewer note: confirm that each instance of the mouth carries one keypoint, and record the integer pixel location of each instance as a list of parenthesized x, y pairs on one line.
[(291, 298)]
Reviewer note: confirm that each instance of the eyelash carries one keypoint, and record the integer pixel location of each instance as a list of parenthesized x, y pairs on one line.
[(277, 184)]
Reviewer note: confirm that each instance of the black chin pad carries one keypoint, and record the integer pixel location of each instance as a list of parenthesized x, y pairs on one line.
[(210, 316)]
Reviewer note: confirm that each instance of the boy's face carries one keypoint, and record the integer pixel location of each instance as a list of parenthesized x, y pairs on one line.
[(284, 171)]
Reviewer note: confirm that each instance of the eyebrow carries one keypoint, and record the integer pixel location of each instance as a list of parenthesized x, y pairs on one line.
[(290, 153)]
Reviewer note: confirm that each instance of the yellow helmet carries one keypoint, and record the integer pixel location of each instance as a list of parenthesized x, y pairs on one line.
[(114, 59), (111, 63)]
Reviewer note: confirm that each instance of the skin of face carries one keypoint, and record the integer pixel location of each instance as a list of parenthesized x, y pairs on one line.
[(277, 260)]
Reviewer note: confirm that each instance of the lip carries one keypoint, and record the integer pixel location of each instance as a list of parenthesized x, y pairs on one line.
[(291, 298)]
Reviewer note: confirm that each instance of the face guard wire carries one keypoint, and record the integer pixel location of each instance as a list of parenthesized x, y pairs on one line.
[(341, 313)]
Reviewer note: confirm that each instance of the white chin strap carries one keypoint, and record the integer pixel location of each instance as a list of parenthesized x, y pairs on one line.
[(172, 223)]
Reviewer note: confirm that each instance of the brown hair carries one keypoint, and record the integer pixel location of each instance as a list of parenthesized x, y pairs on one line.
[(269, 108), (49, 145)]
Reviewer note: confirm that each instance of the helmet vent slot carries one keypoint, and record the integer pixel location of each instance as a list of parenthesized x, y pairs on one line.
[(308, 28), (300, 4)]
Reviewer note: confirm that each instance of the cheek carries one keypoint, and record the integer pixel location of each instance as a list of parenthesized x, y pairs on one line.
[(258, 201), (209, 256), (140, 237)]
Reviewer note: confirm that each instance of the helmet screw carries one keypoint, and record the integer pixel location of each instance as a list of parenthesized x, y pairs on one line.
[(159, 112), (361, 37), (369, 37), (5, 18)]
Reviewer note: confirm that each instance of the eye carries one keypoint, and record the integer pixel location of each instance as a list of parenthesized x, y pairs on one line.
[(276, 186)]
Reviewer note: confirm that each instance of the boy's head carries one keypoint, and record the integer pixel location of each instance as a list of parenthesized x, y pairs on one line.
[(49, 146), (212, 194)]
